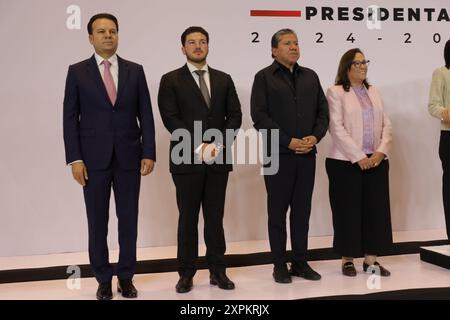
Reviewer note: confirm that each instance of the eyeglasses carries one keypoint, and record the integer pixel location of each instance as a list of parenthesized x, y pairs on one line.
[(358, 63)]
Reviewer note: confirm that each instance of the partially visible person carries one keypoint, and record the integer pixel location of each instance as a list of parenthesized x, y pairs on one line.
[(357, 166), (439, 107)]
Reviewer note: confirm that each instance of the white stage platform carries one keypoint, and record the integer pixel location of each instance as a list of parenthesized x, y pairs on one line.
[(252, 282)]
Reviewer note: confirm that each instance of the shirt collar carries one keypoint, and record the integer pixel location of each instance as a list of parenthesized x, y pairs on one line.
[(193, 68), (284, 68), (112, 59)]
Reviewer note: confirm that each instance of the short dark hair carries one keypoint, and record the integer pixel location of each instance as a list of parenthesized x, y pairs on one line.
[(344, 67), (102, 16), (277, 37), (447, 54), (193, 29)]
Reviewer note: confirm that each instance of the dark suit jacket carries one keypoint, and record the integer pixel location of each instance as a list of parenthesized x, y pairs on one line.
[(296, 111), (181, 103), (94, 128)]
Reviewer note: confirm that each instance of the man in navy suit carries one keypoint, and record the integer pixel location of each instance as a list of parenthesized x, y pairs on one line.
[(109, 141)]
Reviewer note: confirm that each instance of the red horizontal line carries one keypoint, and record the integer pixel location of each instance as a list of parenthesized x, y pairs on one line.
[(275, 13)]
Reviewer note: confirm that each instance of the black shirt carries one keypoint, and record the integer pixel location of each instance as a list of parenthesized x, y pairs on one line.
[(292, 102), (290, 75)]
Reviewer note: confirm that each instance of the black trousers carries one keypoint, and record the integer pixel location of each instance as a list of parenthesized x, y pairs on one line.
[(97, 192), (444, 154), (206, 189), (291, 187), (360, 208)]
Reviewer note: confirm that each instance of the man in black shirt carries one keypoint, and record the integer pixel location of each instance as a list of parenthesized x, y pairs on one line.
[(288, 99)]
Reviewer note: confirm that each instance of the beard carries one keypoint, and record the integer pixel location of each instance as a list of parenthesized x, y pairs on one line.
[(196, 59)]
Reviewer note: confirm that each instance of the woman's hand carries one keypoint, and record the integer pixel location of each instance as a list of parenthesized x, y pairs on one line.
[(376, 158)]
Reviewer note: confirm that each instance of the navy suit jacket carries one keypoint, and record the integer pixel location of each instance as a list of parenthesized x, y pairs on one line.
[(94, 129)]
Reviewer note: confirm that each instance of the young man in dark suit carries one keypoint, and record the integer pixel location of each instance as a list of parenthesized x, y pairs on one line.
[(109, 141), (192, 96)]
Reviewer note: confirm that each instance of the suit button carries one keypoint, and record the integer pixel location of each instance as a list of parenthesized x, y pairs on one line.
[(298, 115)]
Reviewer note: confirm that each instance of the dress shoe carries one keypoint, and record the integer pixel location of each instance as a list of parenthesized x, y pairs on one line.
[(281, 275), (348, 269), (302, 269), (184, 285), (221, 280), (104, 291), (376, 268), (127, 288)]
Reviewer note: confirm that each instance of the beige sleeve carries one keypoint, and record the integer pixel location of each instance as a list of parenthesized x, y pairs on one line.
[(436, 99)]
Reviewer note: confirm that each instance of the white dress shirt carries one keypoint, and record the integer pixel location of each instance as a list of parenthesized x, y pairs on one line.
[(196, 77), (193, 68), (114, 68)]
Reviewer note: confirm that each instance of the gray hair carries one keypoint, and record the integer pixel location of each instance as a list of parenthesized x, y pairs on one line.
[(277, 36)]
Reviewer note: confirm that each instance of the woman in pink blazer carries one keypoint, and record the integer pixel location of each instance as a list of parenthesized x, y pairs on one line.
[(357, 167)]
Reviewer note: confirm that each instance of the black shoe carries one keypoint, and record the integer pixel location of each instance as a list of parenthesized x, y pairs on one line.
[(221, 280), (377, 269), (302, 269), (104, 291), (281, 275), (127, 288), (184, 285), (348, 269)]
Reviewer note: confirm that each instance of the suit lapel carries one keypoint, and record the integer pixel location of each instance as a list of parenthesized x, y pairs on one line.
[(193, 85), (122, 78), (94, 74), (214, 83), (354, 101), (351, 102)]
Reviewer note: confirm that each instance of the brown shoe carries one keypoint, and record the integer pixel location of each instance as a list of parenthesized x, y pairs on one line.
[(348, 269), (377, 269)]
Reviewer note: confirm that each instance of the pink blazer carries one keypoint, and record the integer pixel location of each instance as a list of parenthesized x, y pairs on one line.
[(346, 124)]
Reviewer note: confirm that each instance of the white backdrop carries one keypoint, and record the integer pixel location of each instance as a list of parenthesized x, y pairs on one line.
[(42, 208)]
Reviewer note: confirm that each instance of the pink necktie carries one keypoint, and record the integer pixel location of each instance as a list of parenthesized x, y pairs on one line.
[(109, 82)]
